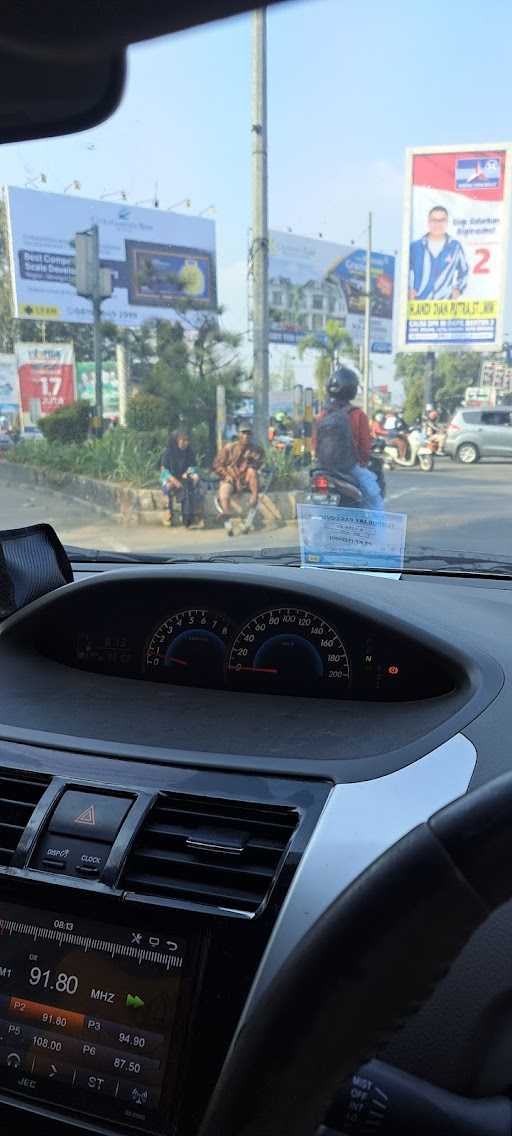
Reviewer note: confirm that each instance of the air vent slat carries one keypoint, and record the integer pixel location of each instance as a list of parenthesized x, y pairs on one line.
[(201, 864), (19, 795), (210, 851), (167, 834)]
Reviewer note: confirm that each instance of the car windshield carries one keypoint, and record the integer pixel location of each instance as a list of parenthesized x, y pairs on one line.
[(263, 309)]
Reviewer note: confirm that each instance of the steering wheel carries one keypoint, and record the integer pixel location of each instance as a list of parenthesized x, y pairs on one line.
[(368, 963)]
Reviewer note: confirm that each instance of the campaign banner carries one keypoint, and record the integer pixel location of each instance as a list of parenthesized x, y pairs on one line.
[(312, 281), (156, 257), (9, 402), (455, 248), (46, 377), (86, 386)]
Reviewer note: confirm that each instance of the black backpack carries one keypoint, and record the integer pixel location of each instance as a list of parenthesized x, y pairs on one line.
[(334, 444)]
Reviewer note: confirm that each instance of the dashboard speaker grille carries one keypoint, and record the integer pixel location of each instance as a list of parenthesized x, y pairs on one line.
[(19, 795), (207, 851)]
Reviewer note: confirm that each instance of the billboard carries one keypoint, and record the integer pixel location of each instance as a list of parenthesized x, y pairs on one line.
[(86, 386), (9, 401), (454, 248), (46, 377), (311, 281), (156, 259)]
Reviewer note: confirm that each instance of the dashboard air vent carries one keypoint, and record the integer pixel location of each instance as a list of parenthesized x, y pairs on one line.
[(215, 852), (19, 795)]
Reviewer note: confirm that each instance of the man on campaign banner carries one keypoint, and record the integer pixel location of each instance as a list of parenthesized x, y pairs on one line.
[(438, 266), (455, 242)]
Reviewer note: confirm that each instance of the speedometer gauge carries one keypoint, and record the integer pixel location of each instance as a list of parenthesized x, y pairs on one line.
[(289, 650), (189, 648)]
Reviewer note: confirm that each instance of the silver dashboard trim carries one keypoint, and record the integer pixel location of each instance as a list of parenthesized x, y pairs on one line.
[(358, 823)]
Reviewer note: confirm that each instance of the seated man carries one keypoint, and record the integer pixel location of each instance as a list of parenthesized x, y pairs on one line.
[(180, 480), (237, 465)]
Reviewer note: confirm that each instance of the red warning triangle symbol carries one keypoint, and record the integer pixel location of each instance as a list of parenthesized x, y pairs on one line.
[(87, 817)]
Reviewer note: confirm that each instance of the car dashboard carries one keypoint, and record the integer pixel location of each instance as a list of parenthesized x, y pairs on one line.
[(194, 762)]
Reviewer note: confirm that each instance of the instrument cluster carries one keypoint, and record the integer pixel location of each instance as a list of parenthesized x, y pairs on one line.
[(283, 649)]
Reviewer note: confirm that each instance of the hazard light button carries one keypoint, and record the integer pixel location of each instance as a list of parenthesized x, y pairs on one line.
[(91, 816)]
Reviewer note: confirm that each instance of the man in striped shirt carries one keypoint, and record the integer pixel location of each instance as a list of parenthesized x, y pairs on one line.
[(438, 269)]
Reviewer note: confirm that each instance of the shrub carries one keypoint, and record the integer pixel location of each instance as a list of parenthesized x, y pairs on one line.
[(69, 424), (120, 455), (145, 412), (286, 470)]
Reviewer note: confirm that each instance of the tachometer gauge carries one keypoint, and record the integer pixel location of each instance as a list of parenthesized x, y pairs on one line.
[(189, 648), (289, 650)]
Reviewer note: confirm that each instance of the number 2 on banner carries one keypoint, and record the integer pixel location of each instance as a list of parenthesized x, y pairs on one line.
[(484, 258)]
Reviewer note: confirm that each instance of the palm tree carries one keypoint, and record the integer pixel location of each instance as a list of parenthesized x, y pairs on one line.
[(331, 345)]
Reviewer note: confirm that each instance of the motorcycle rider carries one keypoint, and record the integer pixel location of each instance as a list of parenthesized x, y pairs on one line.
[(343, 436)]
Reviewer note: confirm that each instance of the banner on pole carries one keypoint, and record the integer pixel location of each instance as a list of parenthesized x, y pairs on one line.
[(454, 248), (46, 378)]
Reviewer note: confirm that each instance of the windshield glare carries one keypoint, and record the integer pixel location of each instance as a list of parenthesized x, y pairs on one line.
[(265, 305)]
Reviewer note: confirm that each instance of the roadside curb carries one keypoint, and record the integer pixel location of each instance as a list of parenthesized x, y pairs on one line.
[(126, 505)]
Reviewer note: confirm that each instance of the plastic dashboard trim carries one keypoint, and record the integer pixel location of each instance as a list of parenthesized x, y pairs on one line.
[(359, 822), (484, 676)]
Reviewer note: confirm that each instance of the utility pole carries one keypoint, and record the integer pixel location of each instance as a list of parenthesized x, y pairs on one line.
[(260, 226), (96, 311), (122, 367), (367, 319), (428, 381)]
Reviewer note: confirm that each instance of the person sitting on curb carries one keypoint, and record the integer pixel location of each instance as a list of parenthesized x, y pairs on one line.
[(237, 464), (180, 480)]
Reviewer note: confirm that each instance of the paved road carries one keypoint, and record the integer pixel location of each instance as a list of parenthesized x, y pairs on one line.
[(462, 508)]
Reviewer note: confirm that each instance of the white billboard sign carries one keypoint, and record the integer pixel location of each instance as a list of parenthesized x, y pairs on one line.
[(313, 281), (157, 259)]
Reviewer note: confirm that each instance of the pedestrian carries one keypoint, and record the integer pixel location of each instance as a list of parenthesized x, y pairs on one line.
[(180, 480), (237, 464)]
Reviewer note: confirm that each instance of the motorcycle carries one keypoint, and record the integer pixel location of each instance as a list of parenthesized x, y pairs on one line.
[(420, 451), (328, 488)]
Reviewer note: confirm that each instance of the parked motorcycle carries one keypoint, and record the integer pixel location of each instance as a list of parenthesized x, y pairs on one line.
[(419, 451)]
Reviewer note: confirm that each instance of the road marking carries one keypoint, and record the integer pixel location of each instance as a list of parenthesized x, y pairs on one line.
[(395, 496)]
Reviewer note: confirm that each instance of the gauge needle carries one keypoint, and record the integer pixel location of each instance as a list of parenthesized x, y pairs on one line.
[(181, 662), (260, 670)]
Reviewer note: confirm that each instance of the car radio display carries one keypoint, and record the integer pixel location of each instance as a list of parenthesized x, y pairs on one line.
[(88, 1013)]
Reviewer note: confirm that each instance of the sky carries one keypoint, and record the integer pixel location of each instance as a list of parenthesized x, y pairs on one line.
[(351, 83)]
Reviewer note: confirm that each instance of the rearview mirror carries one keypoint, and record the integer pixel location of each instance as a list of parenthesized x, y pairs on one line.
[(40, 98)]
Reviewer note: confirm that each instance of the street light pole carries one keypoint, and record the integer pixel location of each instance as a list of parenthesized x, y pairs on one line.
[(367, 319), (96, 309), (260, 226)]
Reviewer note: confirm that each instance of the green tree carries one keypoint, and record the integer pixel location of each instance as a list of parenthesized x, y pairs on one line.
[(284, 378), (453, 372), (186, 375), (214, 360), (331, 347)]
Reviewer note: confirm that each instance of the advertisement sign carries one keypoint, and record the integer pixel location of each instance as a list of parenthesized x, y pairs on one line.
[(312, 281), (86, 386), (9, 403), (156, 259), (455, 248), (46, 376), (496, 374)]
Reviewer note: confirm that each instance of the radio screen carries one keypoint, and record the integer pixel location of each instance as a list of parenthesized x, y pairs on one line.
[(88, 1013)]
